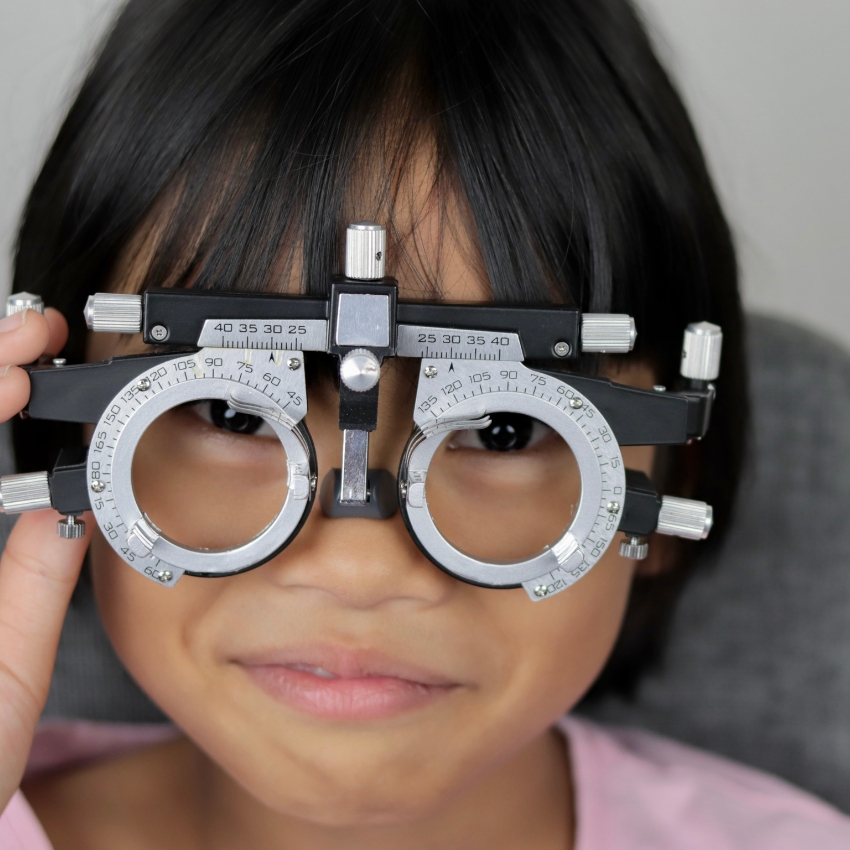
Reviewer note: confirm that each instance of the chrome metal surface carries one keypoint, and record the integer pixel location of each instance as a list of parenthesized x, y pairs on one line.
[(270, 389), (363, 320), (365, 253), (109, 312), (562, 349), (360, 370), (634, 549), (59, 362), (71, 528), (457, 344), (468, 394), (21, 301), (607, 333), (97, 486), (686, 518), (701, 350), (28, 491), (272, 335), (355, 466)]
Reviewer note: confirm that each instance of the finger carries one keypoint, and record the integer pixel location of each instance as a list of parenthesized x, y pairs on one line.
[(23, 337), (38, 573), (14, 391), (58, 331)]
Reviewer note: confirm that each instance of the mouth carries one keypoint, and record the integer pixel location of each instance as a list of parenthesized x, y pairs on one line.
[(335, 684)]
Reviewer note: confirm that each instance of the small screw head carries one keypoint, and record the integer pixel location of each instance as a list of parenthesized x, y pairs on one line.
[(562, 349), (541, 590), (144, 384), (294, 364), (576, 403), (613, 507), (660, 388), (430, 371), (159, 332), (402, 489), (60, 361), (164, 576), (97, 486)]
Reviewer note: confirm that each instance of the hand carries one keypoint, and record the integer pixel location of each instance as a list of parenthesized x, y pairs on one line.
[(38, 570)]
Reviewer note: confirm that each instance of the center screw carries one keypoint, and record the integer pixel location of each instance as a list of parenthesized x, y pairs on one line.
[(159, 332), (576, 403), (97, 486), (430, 371), (144, 384), (562, 349), (294, 364)]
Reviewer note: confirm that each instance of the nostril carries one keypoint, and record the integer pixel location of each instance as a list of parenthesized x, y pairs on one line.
[(381, 496)]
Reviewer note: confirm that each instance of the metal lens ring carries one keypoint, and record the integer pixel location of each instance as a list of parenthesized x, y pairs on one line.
[(263, 383), (452, 395)]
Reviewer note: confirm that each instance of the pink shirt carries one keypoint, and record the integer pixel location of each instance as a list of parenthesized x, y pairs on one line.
[(634, 791)]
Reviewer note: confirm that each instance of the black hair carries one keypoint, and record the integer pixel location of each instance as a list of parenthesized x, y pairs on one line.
[(245, 122)]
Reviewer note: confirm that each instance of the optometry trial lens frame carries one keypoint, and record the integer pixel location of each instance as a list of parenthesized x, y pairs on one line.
[(248, 351)]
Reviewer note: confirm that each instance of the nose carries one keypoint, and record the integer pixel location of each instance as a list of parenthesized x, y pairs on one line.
[(360, 563)]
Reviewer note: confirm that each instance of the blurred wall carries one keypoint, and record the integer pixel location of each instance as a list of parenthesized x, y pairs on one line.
[(767, 82)]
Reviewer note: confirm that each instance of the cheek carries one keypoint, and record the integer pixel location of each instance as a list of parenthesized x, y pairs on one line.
[(558, 646), (152, 627)]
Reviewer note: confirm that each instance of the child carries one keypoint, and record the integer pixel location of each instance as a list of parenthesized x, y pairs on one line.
[(348, 693)]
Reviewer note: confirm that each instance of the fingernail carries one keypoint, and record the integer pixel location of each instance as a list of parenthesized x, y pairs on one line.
[(14, 321), (4, 371)]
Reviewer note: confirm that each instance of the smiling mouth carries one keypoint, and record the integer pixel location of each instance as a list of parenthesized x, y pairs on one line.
[(348, 686)]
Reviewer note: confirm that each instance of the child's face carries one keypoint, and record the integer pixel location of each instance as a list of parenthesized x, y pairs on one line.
[(438, 681)]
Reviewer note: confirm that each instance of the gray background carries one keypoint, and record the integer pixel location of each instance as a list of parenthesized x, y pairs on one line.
[(766, 81)]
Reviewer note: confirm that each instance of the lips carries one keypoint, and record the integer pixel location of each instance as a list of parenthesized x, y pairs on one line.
[(337, 684)]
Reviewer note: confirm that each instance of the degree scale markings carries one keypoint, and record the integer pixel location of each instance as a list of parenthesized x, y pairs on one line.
[(178, 381), (448, 389)]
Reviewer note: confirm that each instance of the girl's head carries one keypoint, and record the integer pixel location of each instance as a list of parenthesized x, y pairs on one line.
[(519, 152)]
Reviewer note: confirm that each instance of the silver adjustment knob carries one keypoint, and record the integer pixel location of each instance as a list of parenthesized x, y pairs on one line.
[(607, 333), (684, 518), (107, 312), (360, 370), (634, 549), (701, 350), (21, 301), (71, 528), (29, 491), (365, 251)]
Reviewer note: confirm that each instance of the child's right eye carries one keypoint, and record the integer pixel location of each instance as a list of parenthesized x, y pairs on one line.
[(217, 412)]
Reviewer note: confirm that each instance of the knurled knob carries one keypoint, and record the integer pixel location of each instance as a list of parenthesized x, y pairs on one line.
[(29, 491), (108, 312), (365, 251), (686, 518), (701, 350), (71, 528), (21, 301), (634, 549), (360, 370), (607, 333)]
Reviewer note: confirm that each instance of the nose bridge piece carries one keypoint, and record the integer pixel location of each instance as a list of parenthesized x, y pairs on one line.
[(362, 332), (380, 500)]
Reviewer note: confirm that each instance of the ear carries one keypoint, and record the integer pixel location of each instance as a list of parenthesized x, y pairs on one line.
[(664, 554)]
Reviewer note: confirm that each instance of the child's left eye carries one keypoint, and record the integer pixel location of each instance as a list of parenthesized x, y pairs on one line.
[(508, 432), (217, 413)]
